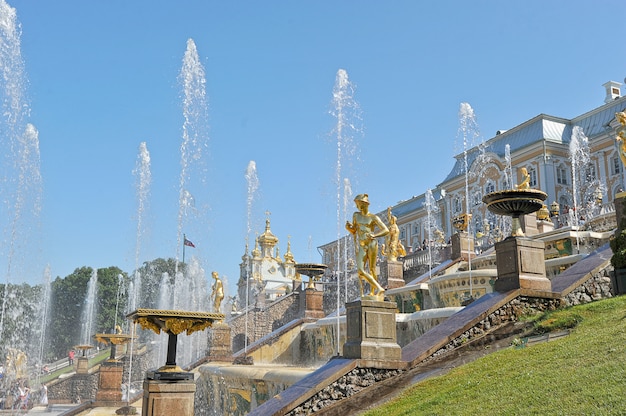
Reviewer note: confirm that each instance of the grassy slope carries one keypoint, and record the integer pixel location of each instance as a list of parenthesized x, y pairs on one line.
[(581, 374)]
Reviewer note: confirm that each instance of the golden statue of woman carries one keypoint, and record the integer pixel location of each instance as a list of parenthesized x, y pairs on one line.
[(363, 228), (621, 136), (393, 246), (217, 293)]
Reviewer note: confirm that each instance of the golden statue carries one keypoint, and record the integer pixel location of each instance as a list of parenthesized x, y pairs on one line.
[(393, 246), (366, 246), (217, 293), (621, 136), (525, 180)]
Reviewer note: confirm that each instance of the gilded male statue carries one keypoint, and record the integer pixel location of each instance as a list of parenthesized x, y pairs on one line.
[(363, 228)]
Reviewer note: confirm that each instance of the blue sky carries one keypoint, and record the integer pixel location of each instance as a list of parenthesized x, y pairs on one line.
[(103, 78)]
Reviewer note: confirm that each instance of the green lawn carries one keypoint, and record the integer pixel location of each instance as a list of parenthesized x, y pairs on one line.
[(97, 359), (581, 374)]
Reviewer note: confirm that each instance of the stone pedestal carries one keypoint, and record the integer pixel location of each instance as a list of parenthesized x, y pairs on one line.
[(312, 302), (110, 383), (163, 398), (82, 365), (462, 246), (521, 265), (219, 343), (391, 274), (371, 331)]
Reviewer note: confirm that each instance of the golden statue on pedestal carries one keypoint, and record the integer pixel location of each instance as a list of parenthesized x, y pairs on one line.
[(362, 228), (217, 293)]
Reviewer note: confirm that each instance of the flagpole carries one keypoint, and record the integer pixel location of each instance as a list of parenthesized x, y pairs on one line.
[(184, 238)]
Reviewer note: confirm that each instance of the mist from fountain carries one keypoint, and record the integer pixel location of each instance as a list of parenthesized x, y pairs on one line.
[(90, 310)]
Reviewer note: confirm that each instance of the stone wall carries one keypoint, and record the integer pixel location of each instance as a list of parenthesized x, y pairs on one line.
[(262, 321), (67, 390)]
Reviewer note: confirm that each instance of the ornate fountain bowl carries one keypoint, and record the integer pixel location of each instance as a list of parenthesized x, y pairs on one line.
[(84, 348), (173, 323), (515, 203), (114, 340), (313, 270)]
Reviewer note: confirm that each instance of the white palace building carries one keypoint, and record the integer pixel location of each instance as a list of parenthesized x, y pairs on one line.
[(542, 146)]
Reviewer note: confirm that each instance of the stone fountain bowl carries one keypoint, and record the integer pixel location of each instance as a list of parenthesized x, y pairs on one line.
[(311, 269), (515, 202)]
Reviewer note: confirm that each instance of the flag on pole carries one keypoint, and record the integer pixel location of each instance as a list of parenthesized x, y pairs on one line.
[(189, 243)]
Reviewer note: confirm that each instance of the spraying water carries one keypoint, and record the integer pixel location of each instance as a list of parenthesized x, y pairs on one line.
[(195, 137), (348, 246), (468, 129), (345, 109), (579, 158), (90, 310), (252, 181), (21, 185), (431, 224), (508, 170), (143, 180)]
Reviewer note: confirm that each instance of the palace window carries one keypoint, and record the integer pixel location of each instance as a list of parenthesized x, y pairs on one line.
[(532, 172), (489, 188), (561, 175), (616, 166), (457, 205)]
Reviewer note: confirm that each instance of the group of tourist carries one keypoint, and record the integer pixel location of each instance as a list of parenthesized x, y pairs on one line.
[(19, 396)]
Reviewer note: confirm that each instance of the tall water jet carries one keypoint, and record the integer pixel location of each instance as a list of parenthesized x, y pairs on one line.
[(195, 137), (252, 181), (579, 158), (431, 224), (468, 129), (348, 246), (346, 110), (508, 169), (143, 181), (19, 147), (90, 310), (44, 314)]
